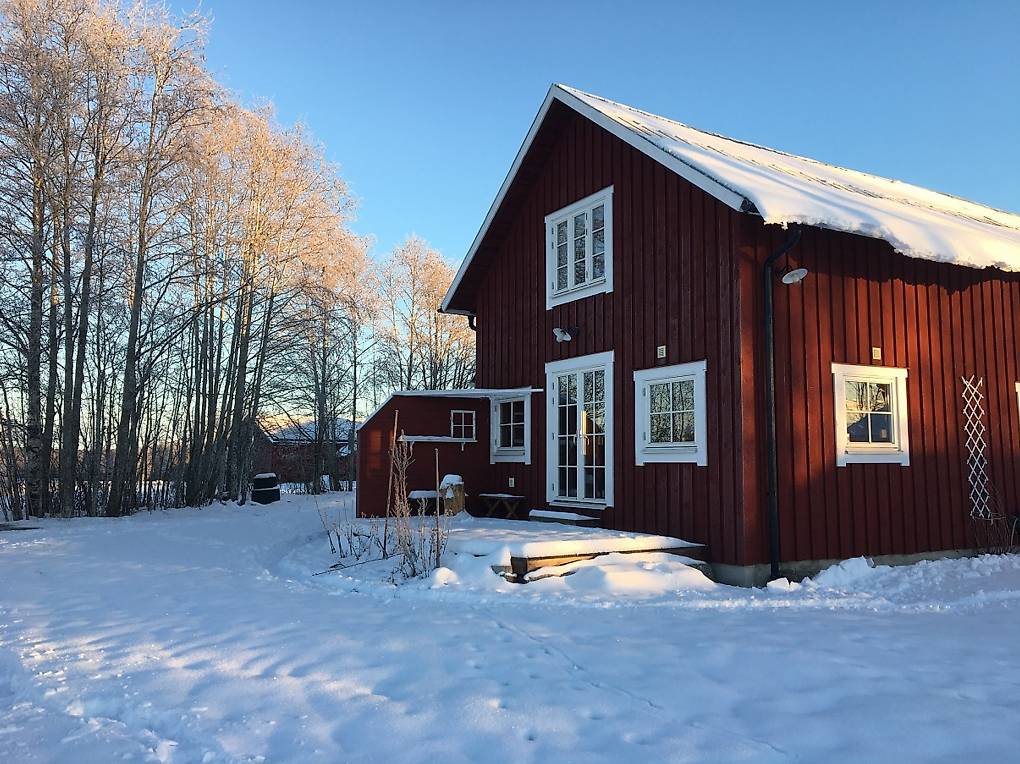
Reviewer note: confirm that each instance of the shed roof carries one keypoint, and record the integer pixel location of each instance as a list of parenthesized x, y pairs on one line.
[(784, 188), (493, 394)]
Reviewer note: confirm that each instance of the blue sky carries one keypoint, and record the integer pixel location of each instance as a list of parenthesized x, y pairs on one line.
[(424, 104)]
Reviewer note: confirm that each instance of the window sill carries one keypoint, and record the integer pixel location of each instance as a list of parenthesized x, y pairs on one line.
[(599, 505), (520, 457), (901, 458), (601, 286), (673, 455), (435, 439)]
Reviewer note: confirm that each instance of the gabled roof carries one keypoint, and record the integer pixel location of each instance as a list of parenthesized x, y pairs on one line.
[(784, 188)]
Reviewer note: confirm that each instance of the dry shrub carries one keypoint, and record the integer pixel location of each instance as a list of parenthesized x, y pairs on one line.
[(419, 543)]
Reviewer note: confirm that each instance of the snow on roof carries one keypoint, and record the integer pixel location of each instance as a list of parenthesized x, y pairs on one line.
[(784, 188), (302, 430), (494, 394), (471, 392)]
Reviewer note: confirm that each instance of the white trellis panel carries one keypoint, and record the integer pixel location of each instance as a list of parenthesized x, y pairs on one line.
[(981, 500)]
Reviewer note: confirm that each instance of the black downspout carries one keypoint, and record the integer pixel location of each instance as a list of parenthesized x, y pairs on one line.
[(471, 322), (770, 403)]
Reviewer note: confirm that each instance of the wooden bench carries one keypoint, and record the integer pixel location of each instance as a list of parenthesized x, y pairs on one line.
[(503, 505)]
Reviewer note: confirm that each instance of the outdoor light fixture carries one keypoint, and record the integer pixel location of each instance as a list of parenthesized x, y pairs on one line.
[(795, 276), (565, 335)]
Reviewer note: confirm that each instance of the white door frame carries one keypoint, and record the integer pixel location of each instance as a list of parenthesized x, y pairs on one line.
[(552, 369)]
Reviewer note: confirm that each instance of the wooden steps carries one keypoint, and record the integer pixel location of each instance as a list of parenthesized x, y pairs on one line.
[(563, 518), (521, 566)]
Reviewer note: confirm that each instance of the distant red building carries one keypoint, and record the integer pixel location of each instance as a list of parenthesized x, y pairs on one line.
[(619, 285), (292, 450)]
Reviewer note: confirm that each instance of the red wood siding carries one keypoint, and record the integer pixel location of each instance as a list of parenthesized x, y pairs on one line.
[(421, 415), (676, 282), (941, 323)]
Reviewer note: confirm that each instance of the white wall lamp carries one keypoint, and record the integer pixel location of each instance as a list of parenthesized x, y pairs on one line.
[(565, 335), (795, 275)]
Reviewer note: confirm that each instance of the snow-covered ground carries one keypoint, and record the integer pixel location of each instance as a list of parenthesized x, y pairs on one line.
[(201, 636)]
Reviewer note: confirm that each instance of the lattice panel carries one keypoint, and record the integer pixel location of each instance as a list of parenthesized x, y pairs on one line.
[(981, 500)]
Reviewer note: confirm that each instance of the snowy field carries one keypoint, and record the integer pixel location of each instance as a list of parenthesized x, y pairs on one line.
[(201, 636)]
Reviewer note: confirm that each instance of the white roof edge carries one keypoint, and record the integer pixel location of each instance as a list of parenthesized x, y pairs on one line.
[(469, 392), (688, 172), (509, 179)]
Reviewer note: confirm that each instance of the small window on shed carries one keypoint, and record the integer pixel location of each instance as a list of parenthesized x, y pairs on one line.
[(462, 424), (511, 429)]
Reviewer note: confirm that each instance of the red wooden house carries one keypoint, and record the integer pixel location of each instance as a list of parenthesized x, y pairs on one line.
[(634, 285)]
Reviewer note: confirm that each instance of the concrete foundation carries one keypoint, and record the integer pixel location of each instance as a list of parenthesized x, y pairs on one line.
[(797, 570)]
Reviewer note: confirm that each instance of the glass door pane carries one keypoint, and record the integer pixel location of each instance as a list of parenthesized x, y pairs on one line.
[(580, 435), (566, 436), (593, 434)]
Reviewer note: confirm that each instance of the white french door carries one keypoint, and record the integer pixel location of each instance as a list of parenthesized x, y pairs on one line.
[(579, 423)]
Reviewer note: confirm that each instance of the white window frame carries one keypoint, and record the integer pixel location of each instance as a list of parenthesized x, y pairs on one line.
[(646, 452), (897, 452), (518, 455), (552, 369), (474, 425), (590, 287)]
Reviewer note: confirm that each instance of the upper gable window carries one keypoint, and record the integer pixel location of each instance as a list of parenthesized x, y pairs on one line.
[(579, 249)]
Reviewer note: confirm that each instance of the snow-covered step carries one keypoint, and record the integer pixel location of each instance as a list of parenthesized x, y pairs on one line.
[(564, 518), (555, 552)]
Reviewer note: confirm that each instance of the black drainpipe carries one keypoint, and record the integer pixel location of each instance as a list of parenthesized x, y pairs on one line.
[(471, 322), (770, 402)]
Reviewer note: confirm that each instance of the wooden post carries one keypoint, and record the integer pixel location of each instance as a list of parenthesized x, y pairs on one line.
[(439, 500), (389, 487)]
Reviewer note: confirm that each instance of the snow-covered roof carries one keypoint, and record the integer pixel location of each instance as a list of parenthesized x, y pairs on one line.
[(302, 430), (472, 392), (784, 188), (494, 394)]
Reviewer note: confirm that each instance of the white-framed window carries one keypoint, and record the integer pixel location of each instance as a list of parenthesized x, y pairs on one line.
[(511, 430), (669, 414), (871, 415), (462, 424), (579, 249)]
